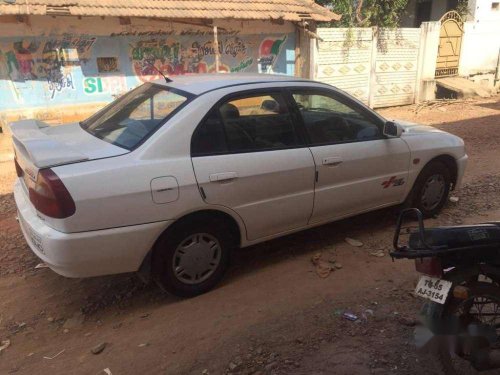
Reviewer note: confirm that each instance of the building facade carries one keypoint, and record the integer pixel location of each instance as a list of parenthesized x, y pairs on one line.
[(480, 54), (418, 11), (60, 66), (478, 48)]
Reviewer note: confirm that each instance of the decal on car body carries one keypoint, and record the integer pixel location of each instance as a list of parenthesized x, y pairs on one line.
[(393, 181)]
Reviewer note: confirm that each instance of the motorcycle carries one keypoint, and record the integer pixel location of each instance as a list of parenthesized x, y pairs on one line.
[(460, 282)]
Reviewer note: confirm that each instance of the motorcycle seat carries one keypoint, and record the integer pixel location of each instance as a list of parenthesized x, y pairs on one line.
[(466, 237)]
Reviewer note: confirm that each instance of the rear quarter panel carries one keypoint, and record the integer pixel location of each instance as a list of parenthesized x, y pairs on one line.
[(116, 192)]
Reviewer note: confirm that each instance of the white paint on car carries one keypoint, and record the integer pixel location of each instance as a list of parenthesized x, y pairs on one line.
[(126, 198)]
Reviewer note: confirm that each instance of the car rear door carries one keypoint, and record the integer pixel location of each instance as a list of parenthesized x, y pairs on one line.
[(359, 169), (248, 156)]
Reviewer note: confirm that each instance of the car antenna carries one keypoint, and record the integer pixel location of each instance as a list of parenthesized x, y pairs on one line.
[(168, 80)]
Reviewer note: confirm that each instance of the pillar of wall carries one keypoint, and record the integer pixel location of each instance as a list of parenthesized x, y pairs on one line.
[(429, 45)]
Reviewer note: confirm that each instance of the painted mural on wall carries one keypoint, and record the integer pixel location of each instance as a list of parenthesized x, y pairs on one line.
[(69, 69), (174, 58), (34, 59)]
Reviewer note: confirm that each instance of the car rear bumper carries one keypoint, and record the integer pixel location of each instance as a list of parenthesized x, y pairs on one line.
[(84, 254)]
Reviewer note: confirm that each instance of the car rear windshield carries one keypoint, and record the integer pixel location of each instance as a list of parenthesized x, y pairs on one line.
[(132, 118)]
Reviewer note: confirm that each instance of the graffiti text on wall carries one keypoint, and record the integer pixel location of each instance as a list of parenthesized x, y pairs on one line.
[(49, 70), (188, 32), (174, 58), (43, 59), (112, 85), (65, 82)]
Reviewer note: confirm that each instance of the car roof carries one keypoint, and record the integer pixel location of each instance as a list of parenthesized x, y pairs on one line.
[(201, 83)]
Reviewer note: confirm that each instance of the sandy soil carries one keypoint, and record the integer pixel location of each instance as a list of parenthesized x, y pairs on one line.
[(271, 315)]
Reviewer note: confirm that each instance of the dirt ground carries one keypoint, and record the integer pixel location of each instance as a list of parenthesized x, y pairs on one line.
[(271, 315)]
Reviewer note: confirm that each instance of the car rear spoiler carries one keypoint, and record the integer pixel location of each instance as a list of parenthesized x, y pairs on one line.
[(37, 147)]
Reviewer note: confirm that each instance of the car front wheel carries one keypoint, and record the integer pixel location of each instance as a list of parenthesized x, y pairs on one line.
[(192, 258), (431, 189)]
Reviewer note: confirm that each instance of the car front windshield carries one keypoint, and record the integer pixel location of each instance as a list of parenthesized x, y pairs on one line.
[(132, 118)]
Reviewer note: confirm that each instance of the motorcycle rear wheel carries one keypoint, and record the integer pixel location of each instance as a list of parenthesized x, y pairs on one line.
[(483, 306)]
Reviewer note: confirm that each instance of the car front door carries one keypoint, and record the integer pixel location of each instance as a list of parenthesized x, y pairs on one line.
[(248, 156), (358, 168)]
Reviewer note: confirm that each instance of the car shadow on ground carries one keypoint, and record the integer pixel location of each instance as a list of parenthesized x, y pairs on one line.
[(309, 241), (119, 293), (94, 296), (492, 105), (128, 292)]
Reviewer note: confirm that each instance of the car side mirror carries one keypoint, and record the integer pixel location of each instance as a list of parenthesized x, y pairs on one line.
[(393, 130)]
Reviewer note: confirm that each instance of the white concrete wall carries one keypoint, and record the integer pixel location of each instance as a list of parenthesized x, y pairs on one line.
[(344, 59), (481, 40), (481, 11), (381, 67)]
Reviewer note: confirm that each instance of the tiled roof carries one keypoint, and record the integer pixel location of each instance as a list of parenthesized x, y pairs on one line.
[(288, 10)]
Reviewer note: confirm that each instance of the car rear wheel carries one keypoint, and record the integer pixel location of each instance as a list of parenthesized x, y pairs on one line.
[(192, 258), (431, 189)]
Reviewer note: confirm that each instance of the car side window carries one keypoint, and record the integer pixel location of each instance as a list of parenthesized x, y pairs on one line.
[(209, 137), (156, 107), (257, 123), (328, 120)]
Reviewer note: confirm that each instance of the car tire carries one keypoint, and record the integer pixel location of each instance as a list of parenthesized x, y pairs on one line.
[(430, 191), (192, 257)]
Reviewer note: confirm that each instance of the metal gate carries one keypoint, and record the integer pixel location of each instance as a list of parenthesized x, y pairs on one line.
[(450, 43)]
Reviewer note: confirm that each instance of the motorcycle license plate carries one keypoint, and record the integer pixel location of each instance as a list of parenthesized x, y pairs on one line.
[(433, 289)]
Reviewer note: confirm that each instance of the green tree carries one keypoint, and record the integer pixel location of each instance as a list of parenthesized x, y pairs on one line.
[(366, 13), (462, 8)]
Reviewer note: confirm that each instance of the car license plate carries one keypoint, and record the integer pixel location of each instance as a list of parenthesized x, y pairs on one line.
[(35, 239), (433, 289)]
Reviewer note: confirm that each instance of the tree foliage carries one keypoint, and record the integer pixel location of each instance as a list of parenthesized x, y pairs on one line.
[(462, 8), (366, 13)]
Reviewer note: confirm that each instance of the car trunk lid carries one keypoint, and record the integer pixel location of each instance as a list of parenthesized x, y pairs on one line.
[(38, 145)]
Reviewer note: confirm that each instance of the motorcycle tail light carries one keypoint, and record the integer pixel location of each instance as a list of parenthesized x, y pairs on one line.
[(461, 292), (429, 266)]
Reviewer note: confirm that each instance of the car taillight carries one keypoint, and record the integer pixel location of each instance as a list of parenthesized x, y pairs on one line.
[(19, 170), (50, 196), (429, 266)]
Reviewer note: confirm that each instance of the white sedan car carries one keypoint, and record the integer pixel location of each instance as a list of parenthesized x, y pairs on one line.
[(172, 176)]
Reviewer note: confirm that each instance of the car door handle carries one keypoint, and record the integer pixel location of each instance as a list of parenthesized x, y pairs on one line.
[(225, 176), (332, 161)]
